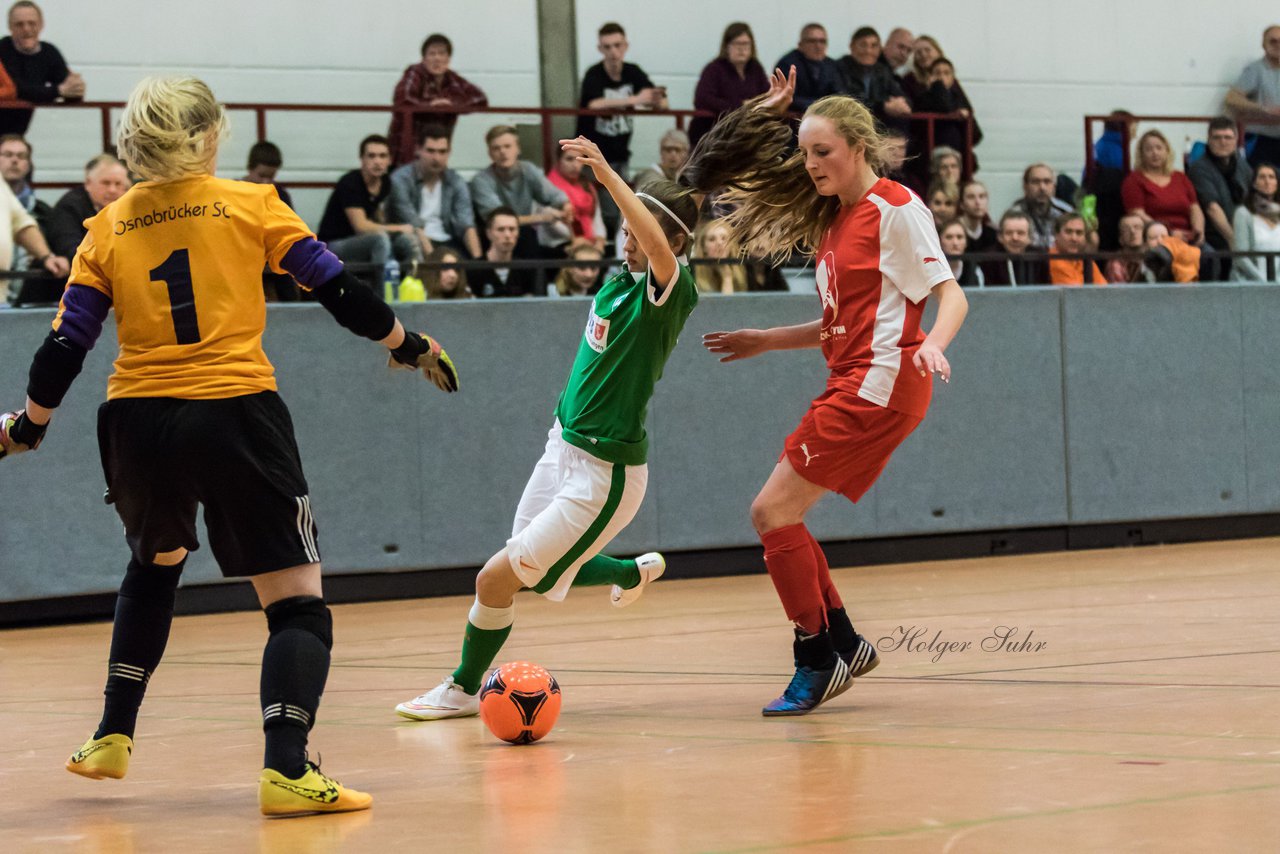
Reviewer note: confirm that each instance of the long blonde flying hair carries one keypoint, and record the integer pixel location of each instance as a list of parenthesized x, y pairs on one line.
[(777, 208), (171, 128)]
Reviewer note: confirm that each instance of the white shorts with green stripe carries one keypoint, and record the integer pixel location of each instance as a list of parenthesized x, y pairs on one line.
[(573, 505)]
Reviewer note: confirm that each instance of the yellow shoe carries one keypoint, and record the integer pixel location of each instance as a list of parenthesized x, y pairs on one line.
[(312, 792), (102, 757)]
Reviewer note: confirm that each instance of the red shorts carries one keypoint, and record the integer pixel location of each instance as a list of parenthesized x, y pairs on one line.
[(844, 442)]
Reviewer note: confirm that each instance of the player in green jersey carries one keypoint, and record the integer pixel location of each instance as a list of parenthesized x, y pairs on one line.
[(591, 479)]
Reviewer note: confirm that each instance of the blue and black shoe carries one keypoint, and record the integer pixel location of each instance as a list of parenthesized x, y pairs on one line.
[(820, 675), (861, 658)]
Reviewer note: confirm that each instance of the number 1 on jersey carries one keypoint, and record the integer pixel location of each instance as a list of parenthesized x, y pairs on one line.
[(175, 272)]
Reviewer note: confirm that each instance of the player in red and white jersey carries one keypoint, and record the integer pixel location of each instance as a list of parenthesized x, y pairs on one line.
[(877, 260)]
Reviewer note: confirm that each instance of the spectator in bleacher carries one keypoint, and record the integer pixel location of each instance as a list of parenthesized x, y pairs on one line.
[(21, 230), (864, 77), (1039, 203), (16, 168), (943, 201), (265, 161), (713, 241), (897, 49), (954, 239), (1255, 98), (37, 69), (673, 151), (975, 216), (1256, 227), (924, 52), (729, 80), (356, 223), (105, 180), (1104, 177), (1169, 258), (816, 73), (944, 95), (445, 282), (511, 182), (430, 84), (579, 281), (1121, 271), (1071, 238), (945, 165), (502, 227), (1024, 262), (612, 84), (1221, 177), (433, 198), (1155, 190), (587, 225)]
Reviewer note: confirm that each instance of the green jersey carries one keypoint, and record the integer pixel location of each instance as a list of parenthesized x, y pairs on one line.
[(630, 332)]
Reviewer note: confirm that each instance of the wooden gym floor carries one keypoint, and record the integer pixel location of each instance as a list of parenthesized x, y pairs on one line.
[(1147, 720)]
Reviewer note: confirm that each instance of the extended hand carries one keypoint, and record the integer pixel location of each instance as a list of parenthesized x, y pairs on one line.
[(782, 87), (18, 433), (424, 353), (731, 346), (929, 360), (588, 154)]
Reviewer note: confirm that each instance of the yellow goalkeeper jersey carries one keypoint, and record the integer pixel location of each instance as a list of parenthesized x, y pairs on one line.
[(182, 264)]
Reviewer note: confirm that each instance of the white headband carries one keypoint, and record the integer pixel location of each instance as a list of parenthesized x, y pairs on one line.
[(668, 212)]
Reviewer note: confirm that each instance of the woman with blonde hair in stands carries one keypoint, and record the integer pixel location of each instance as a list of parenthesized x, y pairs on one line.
[(714, 241), (192, 417), (877, 261), (579, 281), (924, 53), (1154, 190), (943, 200)]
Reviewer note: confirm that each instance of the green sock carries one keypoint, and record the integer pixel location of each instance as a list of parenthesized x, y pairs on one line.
[(481, 646), (603, 569)]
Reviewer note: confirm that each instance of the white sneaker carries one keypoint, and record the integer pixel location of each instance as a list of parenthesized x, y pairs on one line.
[(651, 566), (446, 700)]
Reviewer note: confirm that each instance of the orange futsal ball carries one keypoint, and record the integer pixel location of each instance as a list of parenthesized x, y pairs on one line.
[(520, 702)]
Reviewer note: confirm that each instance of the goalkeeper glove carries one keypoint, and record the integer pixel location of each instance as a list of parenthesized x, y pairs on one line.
[(422, 352), (19, 433)]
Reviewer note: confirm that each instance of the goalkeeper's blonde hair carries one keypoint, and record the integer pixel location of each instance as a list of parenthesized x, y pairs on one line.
[(171, 128)]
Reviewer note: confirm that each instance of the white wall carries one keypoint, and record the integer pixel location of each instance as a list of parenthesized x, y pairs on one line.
[(1032, 68)]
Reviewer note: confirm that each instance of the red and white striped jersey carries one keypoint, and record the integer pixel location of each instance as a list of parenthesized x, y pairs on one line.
[(876, 264)]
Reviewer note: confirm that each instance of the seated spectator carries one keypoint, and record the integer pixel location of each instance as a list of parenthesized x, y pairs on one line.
[(430, 85), (895, 161), (509, 182), (356, 223), (897, 49), (1155, 190), (1169, 258), (944, 95), (1122, 271), (105, 180), (611, 84), (1103, 179), (21, 230), (975, 216), (729, 80), (713, 242), (1039, 203), (502, 227), (37, 69), (1071, 238), (579, 281), (588, 223), (1025, 262), (265, 161), (924, 52), (816, 73), (433, 198), (1256, 227), (955, 242), (945, 165), (1221, 179), (16, 168), (673, 151), (1255, 98), (445, 282), (864, 77), (943, 201)]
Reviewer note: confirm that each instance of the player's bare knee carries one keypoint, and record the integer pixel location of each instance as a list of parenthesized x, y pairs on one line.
[(497, 585), (172, 558)]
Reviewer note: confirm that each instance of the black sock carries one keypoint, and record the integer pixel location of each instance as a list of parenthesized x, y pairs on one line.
[(814, 651), (295, 665), (144, 612), (843, 637)]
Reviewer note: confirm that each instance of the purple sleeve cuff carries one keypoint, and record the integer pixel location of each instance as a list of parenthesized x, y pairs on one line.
[(311, 263), (83, 311)]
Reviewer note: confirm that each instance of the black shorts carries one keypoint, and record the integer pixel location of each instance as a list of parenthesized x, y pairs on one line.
[(237, 456)]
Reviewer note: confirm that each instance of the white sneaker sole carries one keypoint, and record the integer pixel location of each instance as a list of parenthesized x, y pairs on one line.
[(413, 713)]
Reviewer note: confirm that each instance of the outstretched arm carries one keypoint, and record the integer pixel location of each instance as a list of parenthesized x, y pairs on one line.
[(745, 343)]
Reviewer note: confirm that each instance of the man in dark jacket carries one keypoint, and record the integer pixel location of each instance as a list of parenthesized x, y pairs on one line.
[(1222, 178), (37, 68), (105, 180), (816, 73), (869, 80)]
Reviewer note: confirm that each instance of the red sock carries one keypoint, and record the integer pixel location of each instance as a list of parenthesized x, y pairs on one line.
[(794, 572), (830, 596)]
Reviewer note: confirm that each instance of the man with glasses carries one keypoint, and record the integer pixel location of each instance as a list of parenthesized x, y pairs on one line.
[(1256, 99), (816, 73)]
